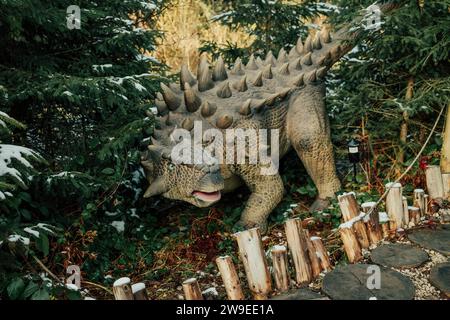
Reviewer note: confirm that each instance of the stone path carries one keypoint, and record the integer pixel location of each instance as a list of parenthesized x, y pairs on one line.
[(440, 277), (399, 256), (438, 239), (300, 294)]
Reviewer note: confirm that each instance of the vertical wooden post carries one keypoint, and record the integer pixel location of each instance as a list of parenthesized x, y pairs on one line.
[(350, 210), (384, 222), (446, 184), (434, 182), (372, 222), (280, 268), (426, 200), (419, 200), (405, 212), (297, 246), (313, 258), (445, 150), (351, 245), (322, 253), (230, 278), (139, 291), (394, 204), (414, 216), (255, 264), (122, 289), (192, 289)]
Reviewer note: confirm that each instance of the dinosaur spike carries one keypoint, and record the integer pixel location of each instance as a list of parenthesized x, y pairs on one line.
[(224, 121), (316, 42), (293, 53), (204, 75), (187, 124), (207, 109), (186, 76), (191, 99), (267, 72), (257, 104), (282, 57), (237, 68), (224, 91), (308, 45), (283, 93), (219, 72), (259, 80), (155, 142), (161, 106), (299, 46), (159, 96), (157, 133), (298, 81), (271, 99), (306, 60), (284, 70), (251, 65), (241, 86), (157, 187), (171, 99), (311, 76), (168, 119), (297, 64), (321, 72), (155, 149), (325, 35), (335, 53), (245, 109), (259, 62), (270, 59)]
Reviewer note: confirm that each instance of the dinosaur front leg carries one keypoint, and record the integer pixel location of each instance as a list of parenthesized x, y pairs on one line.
[(267, 192), (309, 132)]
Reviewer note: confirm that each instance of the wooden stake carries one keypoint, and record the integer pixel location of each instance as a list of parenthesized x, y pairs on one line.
[(313, 258), (405, 212), (446, 184), (139, 291), (351, 245), (280, 268), (255, 264), (322, 253), (394, 204), (419, 200), (414, 216), (445, 150), (385, 229), (434, 182), (192, 289), (230, 278), (122, 289), (384, 222), (350, 210), (298, 248), (426, 200), (372, 222)]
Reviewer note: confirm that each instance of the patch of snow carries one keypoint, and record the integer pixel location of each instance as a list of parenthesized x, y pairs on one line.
[(32, 232), (119, 225), (9, 152), (72, 286), (138, 287), (212, 291), (121, 282), (16, 237)]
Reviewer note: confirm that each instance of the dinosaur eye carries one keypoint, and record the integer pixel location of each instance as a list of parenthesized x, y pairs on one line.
[(171, 166)]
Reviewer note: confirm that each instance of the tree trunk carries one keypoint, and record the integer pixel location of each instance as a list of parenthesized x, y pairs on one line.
[(445, 152), (404, 126)]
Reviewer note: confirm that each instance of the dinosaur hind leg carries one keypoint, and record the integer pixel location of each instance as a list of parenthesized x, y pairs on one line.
[(309, 133)]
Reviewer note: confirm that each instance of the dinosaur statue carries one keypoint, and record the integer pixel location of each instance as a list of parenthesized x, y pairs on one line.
[(285, 93)]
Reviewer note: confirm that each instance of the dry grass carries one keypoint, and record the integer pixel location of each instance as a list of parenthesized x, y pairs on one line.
[(186, 25)]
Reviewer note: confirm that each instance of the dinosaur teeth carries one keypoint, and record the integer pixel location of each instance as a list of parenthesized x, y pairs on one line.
[(237, 68), (187, 124), (293, 53), (171, 99), (186, 76), (306, 60), (224, 122), (224, 90), (325, 35), (284, 70), (316, 42), (298, 81), (207, 109), (311, 76), (245, 109), (308, 45), (282, 57), (321, 72), (259, 80), (219, 72), (267, 72), (191, 99), (204, 75), (299, 46), (241, 86), (251, 65), (270, 59)]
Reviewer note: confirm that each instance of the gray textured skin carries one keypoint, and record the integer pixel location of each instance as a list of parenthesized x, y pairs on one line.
[(290, 98)]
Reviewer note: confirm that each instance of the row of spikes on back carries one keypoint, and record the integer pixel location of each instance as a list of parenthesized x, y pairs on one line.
[(306, 63)]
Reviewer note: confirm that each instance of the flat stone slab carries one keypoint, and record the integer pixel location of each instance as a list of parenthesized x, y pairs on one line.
[(437, 239), (350, 283), (299, 294), (440, 277), (398, 255)]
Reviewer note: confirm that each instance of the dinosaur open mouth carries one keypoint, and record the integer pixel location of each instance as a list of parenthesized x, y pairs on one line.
[(207, 196)]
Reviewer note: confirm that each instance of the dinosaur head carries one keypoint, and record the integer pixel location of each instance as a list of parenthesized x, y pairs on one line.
[(199, 185)]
